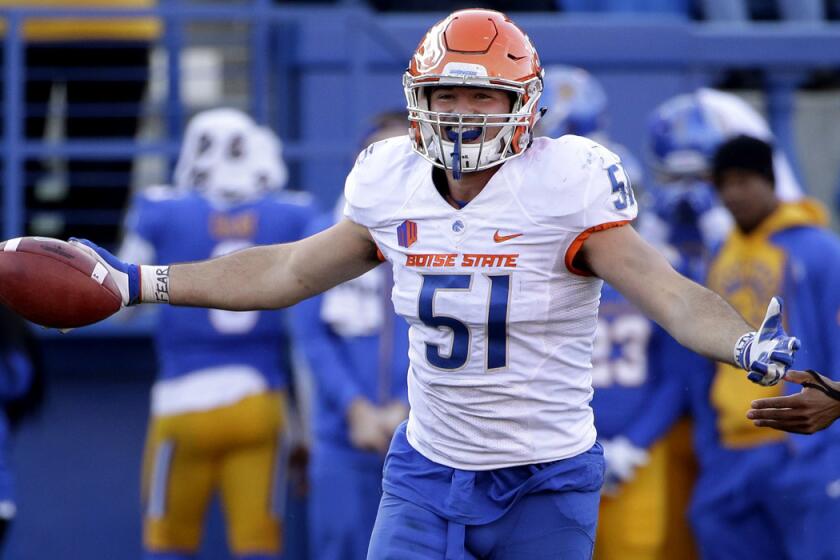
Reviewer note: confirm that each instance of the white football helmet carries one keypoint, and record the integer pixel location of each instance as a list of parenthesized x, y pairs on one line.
[(216, 157)]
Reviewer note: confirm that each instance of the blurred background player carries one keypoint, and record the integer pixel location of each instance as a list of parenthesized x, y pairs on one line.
[(631, 387), (687, 223), (17, 373), (683, 134), (72, 65), (781, 247), (218, 406), (628, 384), (356, 348)]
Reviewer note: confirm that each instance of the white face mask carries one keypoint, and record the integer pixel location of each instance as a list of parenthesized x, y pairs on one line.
[(449, 148), (440, 136)]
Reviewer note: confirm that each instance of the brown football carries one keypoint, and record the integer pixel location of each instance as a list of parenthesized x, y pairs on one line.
[(54, 284)]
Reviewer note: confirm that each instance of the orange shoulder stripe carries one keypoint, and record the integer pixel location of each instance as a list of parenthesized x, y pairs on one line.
[(577, 244)]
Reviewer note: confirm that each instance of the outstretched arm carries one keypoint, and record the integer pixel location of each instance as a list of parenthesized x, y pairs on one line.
[(275, 276), (696, 317), (265, 277)]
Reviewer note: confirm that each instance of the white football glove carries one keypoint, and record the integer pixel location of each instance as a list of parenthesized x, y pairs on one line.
[(767, 353), (622, 458)]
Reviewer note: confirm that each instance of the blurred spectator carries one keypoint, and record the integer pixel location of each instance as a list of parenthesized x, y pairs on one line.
[(357, 351), (777, 247), (96, 70), (219, 405), (17, 379)]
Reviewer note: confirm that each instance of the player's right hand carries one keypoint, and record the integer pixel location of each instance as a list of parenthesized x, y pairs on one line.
[(622, 458), (767, 353), (127, 276)]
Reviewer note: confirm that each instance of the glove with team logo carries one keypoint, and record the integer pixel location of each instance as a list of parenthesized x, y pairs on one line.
[(622, 458), (137, 284), (767, 353)]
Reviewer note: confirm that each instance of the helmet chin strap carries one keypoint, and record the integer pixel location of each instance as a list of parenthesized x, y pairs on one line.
[(457, 138)]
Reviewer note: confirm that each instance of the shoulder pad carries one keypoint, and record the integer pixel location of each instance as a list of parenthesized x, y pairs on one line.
[(378, 179), (572, 181)]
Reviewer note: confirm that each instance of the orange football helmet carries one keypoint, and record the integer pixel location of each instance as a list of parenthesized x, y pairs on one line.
[(473, 48)]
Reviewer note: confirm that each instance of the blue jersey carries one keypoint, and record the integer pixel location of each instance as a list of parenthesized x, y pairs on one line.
[(186, 227), (630, 382), (372, 365)]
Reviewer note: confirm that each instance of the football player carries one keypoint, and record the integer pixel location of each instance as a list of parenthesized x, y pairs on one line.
[(357, 351), (683, 134), (499, 244), (218, 405)]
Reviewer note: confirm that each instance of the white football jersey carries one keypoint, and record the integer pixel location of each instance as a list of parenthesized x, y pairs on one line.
[(501, 323)]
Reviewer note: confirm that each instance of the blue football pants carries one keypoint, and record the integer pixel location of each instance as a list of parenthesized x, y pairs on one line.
[(542, 526)]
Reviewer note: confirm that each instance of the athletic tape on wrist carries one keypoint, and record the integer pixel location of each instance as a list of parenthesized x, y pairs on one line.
[(154, 284), (741, 351)]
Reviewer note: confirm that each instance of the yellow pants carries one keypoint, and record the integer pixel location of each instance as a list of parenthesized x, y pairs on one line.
[(232, 450), (682, 472), (631, 525)]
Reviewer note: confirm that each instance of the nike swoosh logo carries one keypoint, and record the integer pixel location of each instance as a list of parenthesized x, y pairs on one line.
[(502, 238)]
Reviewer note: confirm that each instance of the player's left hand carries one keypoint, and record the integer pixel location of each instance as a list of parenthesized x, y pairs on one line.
[(813, 409), (622, 458), (127, 276), (767, 353)]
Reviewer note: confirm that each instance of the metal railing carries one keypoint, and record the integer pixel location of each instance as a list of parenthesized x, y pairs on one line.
[(291, 47)]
